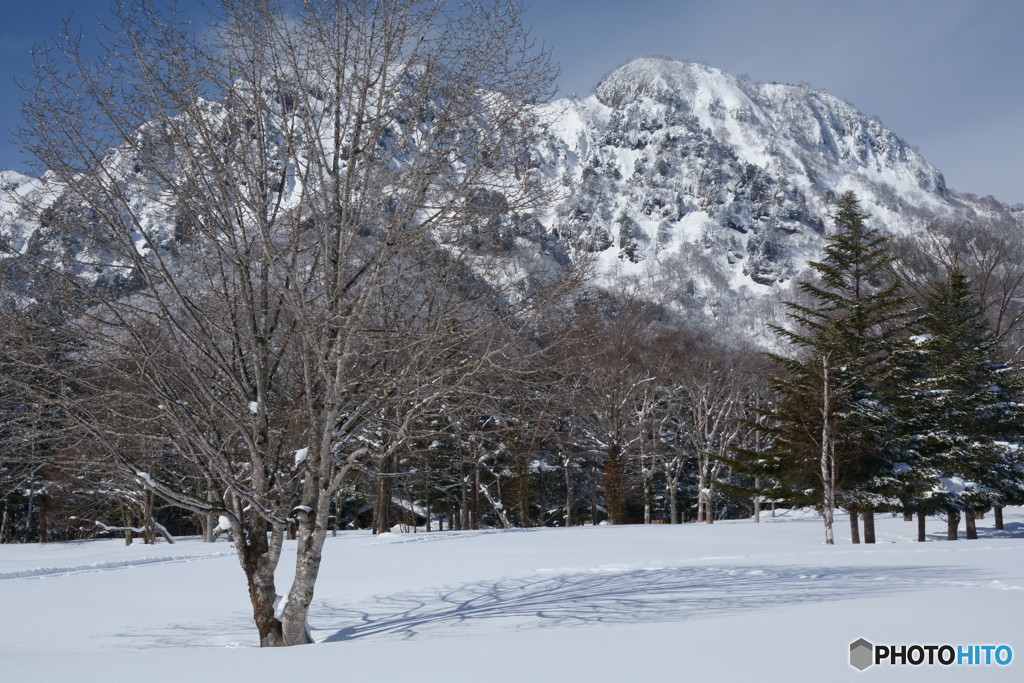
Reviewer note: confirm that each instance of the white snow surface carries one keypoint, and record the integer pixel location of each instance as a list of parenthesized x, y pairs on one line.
[(733, 600)]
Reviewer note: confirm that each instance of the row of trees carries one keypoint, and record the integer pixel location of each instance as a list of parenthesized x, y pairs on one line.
[(625, 419), (627, 416), (890, 401)]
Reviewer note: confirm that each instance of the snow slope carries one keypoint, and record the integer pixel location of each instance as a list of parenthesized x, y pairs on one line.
[(712, 192), (735, 600), (706, 191)]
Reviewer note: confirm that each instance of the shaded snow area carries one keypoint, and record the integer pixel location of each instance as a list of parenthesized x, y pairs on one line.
[(734, 601)]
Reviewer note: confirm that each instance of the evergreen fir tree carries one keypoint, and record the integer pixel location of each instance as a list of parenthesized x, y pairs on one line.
[(958, 407), (827, 427)]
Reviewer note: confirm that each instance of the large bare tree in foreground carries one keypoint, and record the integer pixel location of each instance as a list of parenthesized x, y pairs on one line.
[(288, 238)]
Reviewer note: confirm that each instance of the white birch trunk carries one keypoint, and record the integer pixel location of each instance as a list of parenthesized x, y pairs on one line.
[(673, 500), (312, 532), (757, 500), (827, 457), (567, 473)]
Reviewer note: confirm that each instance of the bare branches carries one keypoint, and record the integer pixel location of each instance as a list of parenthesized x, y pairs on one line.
[(989, 251), (293, 232)]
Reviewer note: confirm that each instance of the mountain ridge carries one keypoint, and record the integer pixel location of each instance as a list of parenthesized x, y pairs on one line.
[(711, 189), (676, 166)]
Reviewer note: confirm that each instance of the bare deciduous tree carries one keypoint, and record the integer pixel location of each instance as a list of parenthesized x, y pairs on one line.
[(288, 238), (989, 251), (715, 385)]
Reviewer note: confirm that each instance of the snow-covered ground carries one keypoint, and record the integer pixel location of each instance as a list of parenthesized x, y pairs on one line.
[(734, 600)]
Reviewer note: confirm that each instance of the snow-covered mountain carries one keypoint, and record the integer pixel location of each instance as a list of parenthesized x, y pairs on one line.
[(707, 190), (712, 187)]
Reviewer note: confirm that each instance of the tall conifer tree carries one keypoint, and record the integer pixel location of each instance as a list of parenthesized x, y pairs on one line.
[(826, 426), (958, 408)]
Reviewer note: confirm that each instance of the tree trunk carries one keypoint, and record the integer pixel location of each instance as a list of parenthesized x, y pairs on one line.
[(523, 495), (206, 525), (952, 522), (827, 458), (673, 501), (383, 519), (854, 526), (209, 521), (869, 525), (312, 532), (757, 500), (567, 473), (259, 560), (426, 505), (615, 485), (647, 499), (998, 510), (972, 529), (5, 525), (262, 595), (709, 514), (701, 509), (44, 518), (920, 527), (474, 499), (463, 520), (126, 522), (496, 505), (148, 523)]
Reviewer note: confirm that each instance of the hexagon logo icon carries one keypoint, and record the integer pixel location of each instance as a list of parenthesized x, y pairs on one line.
[(861, 654)]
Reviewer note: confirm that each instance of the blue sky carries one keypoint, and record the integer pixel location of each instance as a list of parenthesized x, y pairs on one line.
[(945, 75)]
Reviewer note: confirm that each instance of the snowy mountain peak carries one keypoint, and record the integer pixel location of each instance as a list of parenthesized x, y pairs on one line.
[(712, 187), (664, 80)]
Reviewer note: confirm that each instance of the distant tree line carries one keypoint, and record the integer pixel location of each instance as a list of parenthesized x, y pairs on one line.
[(883, 397)]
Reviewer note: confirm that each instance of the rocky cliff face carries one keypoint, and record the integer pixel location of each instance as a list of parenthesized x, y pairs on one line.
[(707, 191), (714, 189)]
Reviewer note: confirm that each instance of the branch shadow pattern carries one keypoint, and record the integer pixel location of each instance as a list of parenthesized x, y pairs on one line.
[(649, 595), (1009, 530)]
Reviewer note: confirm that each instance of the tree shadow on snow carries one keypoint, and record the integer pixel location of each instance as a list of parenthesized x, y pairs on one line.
[(1009, 530), (617, 597)]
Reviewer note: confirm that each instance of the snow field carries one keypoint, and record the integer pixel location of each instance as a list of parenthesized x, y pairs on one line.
[(733, 600)]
